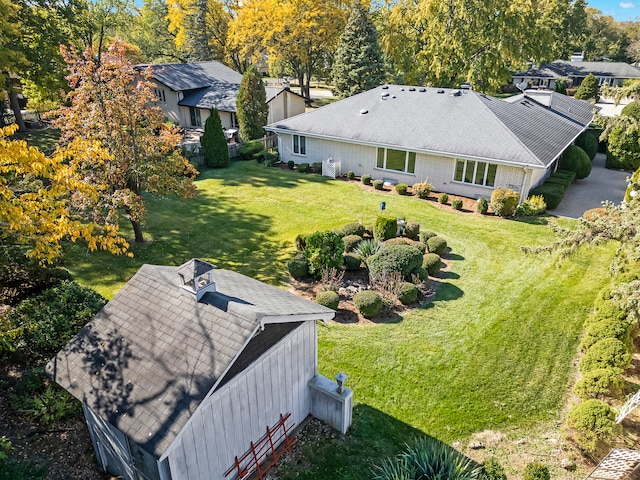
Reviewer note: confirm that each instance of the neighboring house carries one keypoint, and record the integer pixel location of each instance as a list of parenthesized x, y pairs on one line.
[(283, 103), (612, 73), (186, 366), (462, 142)]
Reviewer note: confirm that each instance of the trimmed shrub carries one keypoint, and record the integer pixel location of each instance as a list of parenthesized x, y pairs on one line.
[(351, 175), (366, 179), (291, 164), (588, 142), (589, 89), (532, 206), (323, 250), (607, 353), (431, 262), (422, 190), (551, 193), (483, 206), (536, 471), (592, 422), (632, 109), (457, 204), (316, 167), (426, 235), (366, 248), (576, 160), (408, 293), (599, 382), (328, 298), (385, 228), (401, 188), (405, 241), (606, 328), (298, 266), (353, 228), (412, 230), (492, 469), (351, 242), (368, 303), (422, 274), (568, 174), (443, 198), (301, 242), (504, 201), (437, 245), (378, 184), (396, 258), (558, 181), (303, 167), (352, 262), (248, 149)]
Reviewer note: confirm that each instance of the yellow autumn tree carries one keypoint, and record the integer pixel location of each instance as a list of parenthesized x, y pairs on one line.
[(41, 199)]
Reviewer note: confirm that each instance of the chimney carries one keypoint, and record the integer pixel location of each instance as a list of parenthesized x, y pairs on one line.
[(197, 277)]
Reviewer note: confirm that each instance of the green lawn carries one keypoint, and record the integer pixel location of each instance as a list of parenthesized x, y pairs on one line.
[(493, 351)]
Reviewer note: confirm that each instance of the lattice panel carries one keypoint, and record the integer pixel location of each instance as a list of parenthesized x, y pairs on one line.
[(617, 465)]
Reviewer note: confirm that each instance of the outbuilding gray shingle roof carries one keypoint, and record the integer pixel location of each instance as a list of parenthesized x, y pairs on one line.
[(563, 68), (190, 76), (529, 131), (151, 355)]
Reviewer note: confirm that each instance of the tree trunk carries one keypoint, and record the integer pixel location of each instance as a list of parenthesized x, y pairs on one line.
[(13, 101), (137, 231)]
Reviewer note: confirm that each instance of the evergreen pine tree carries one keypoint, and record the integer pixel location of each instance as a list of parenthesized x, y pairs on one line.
[(251, 105), (358, 64), (589, 89), (213, 142)]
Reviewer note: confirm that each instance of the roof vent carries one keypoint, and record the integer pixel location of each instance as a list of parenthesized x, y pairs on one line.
[(466, 86), (457, 93), (384, 95), (385, 87), (423, 90), (440, 91), (364, 111), (393, 96), (412, 89), (197, 277), (402, 89)]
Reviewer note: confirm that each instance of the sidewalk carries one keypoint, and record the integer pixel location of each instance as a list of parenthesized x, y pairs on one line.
[(601, 185)]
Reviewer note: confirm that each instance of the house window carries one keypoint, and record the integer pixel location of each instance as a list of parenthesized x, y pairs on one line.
[(299, 145), (196, 121), (160, 95), (399, 160), (234, 120), (476, 173)]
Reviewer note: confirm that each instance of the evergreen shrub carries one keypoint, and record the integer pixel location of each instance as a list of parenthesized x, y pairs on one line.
[(536, 471), (378, 184), (432, 263), (328, 298), (385, 228), (426, 235), (303, 167), (422, 190), (437, 245), (588, 142), (248, 149), (576, 160), (323, 250), (291, 164), (408, 293), (504, 201), (351, 175), (405, 241), (353, 228), (599, 382), (443, 198), (457, 204), (366, 179), (368, 303), (532, 206), (592, 422), (492, 470), (606, 328), (551, 193), (352, 262), (316, 167), (401, 188), (298, 266), (606, 353), (351, 242), (483, 206), (412, 230), (404, 259), (214, 143)]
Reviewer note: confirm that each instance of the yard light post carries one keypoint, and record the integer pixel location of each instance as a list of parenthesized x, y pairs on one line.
[(341, 378)]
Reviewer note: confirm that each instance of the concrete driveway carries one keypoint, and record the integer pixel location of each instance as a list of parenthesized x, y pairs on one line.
[(601, 185)]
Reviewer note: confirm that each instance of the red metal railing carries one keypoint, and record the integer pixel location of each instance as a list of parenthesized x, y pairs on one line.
[(264, 453)]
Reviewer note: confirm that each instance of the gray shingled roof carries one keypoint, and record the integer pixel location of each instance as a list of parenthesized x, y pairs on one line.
[(273, 92), (190, 76), (450, 123), (219, 95), (563, 68), (151, 355)]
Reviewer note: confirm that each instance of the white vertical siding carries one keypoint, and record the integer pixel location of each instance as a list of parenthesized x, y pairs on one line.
[(224, 425)]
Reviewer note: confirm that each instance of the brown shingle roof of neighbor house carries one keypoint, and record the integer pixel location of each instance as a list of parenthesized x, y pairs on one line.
[(153, 353), (563, 68), (530, 131), (190, 76)]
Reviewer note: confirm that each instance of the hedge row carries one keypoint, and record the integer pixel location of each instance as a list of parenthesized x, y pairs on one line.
[(554, 188)]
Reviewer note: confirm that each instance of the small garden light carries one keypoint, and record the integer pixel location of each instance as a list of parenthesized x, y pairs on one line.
[(341, 378)]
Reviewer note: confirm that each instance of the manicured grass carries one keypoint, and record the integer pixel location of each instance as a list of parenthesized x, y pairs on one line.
[(493, 351), (43, 138)]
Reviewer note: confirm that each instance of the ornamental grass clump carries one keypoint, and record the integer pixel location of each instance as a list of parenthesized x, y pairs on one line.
[(422, 190), (367, 248)]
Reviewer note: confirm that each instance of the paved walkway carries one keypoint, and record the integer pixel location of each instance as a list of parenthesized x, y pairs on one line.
[(602, 184)]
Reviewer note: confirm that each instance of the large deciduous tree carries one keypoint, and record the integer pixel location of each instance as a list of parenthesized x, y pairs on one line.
[(42, 198), (358, 64), (112, 103), (213, 142), (251, 105)]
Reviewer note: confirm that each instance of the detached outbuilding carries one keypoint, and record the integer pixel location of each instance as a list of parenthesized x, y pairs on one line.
[(187, 366)]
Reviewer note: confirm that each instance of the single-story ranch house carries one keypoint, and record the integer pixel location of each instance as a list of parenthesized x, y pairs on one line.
[(187, 92), (462, 142), (187, 366), (611, 73)]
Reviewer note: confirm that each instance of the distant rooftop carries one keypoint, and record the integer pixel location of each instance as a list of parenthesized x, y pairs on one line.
[(563, 68), (190, 76)]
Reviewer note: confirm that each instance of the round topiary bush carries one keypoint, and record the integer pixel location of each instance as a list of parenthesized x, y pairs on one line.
[(536, 471), (351, 242), (366, 179), (408, 293), (405, 241), (402, 188), (437, 245), (396, 258), (368, 303), (328, 298), (431, 262), (456, 204), (323, 250), (588, 142), (576, 160), (606, 328), (426, 235), (298, 266), (291, 164), (422, 190), (483, 206), (443, 198), (351, 175), (607, 353), (353, 228), (378, 184), (591, 422), (599, 382), (412, 230), (385, 228), (352, 262)]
